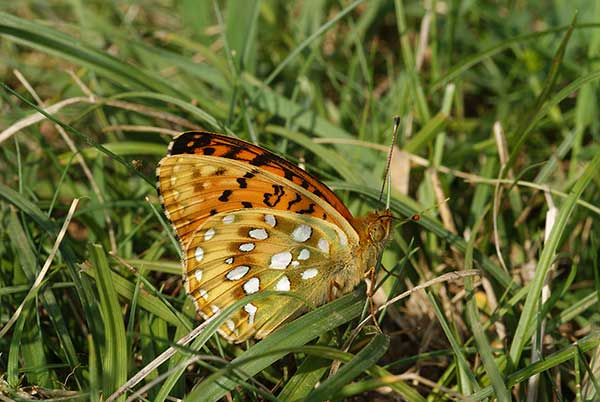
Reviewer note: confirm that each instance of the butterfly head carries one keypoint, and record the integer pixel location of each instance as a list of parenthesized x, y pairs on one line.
[(379, 227), (374, 231)]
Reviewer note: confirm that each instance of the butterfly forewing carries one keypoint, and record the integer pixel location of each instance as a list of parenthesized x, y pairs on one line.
[(195, 187), (217, 145)]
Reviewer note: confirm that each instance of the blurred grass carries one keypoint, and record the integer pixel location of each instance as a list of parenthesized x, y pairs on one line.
[(282, 74)]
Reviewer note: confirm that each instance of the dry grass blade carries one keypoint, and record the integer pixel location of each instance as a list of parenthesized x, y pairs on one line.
[(44, 270)]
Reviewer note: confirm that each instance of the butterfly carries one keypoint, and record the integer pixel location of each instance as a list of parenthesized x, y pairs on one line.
[(248, 221)]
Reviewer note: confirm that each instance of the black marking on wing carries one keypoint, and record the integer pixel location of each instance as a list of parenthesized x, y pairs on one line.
[(242, 182), (187, 144), (260, 160), (232, 153), (294, 201), (277, 193), (309, 210), (225, 196)]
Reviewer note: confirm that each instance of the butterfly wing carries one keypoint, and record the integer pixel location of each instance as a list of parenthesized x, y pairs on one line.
[(221, 208), (234, 254), (194, 187), (218, 145)]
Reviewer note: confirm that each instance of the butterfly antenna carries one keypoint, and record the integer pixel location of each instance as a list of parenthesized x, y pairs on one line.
[(389, 158)]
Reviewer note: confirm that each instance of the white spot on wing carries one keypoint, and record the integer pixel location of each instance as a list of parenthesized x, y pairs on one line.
[(270, 219), (283, 284), (304, 254), (199, 254), (230, 324), (281, 260), (198, 275), (295, 263), (251, 286), (209, 234), (215, 309), (302, 233), (229, 261), (258, 234), (238, 272), (323, 245), (310, 273), (343, 238), (227, 219), (251, 310), (247, 247), (203, 293)]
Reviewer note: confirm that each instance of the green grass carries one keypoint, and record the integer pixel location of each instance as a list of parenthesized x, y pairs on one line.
[(318, 82)]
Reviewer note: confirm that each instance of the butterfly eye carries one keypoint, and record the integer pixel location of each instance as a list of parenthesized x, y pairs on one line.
[(377, 232)]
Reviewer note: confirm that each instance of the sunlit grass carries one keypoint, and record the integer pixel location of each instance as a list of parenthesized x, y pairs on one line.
[(498, 109)]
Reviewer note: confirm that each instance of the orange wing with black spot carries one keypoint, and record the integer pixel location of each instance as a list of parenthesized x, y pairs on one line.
[(205, 174), (211, 144)]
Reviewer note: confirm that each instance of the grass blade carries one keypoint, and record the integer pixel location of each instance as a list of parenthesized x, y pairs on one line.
[(364, 359)]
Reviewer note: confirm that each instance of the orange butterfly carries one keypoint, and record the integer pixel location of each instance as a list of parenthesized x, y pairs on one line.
[(249, 221)]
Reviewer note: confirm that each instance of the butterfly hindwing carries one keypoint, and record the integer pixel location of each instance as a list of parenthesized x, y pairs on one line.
[(234, 254)]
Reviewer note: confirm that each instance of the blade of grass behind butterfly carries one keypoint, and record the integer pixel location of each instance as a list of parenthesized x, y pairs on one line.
[(41, 37), (524, 327), (405, 206), (27, 258), (522, 133), (334, 160), (122, 148), (363, 360), (183, 104), (473, 319), (468, 62), (286, 109), (84, 292), (409, 62), (467, 379), (78, 133), (146, 301), (114, 353), (307, 375), (549, 362), (93, 375)]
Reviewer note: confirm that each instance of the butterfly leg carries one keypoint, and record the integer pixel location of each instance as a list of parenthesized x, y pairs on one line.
[(370, 293), (332, 284)]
